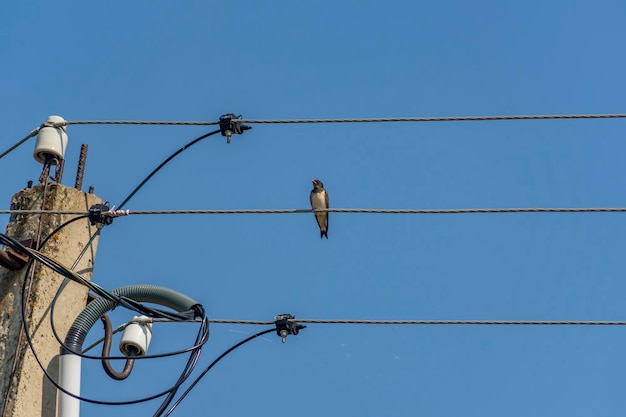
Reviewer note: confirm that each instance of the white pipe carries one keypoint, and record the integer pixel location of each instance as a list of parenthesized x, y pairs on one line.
[(69, 379)]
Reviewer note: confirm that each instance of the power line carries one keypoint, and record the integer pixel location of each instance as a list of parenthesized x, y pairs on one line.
[(388, 211), (332, 120), (19, 142), (136, 122), (35, 131), (120, 213), (351, 120), (29, 212), (434, 322), (438, 119)]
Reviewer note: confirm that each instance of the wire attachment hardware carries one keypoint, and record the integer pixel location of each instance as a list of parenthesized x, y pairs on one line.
[(98, 214), (230, 125), (14, 260), (286, 326)]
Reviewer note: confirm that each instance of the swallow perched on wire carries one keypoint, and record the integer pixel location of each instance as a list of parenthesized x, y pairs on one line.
[(319, 200)]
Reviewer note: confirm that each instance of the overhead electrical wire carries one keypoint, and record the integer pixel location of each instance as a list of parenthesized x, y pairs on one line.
[(170, 394), (355, 120), (122, 213), (438, 119), (328, 120), (80, 213), (121, 327), (21, 141), (375, 322), (136, 122), (434, 322), (69, 274)]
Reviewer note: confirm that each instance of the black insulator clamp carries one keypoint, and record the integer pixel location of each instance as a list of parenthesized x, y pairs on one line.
[(231, 125), (97, 214), (285, 325)]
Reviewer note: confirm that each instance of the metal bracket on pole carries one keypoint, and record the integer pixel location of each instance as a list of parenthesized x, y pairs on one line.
[(58, 170), (14, 260)]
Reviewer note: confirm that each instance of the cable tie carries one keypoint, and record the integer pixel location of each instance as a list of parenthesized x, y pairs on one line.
[(117, 213), (141, 320)]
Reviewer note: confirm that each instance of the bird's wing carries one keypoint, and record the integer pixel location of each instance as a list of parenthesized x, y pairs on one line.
[(315, 213), (327, 213)]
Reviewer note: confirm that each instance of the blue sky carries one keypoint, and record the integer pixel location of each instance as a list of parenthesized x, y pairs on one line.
[(197, 60)]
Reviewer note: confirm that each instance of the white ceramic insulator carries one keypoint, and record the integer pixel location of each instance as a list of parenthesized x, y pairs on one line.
[(136, 339), (51, 141)]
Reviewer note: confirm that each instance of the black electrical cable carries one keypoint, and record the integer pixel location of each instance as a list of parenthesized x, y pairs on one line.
[(137, 188), (60, 388), (137, 306), (129, 303), (59, 228), (124, 301), (158, 313), (172, 156), (141, 311), (147, 178), (189, 368), (203, 331), (69, 274), (201, 338), (49, 262), (195, 382)]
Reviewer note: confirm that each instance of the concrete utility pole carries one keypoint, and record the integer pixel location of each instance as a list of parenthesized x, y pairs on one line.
[(25, 391)]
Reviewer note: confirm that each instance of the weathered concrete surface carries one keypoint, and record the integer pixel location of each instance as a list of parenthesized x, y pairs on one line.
[(30, 393)]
